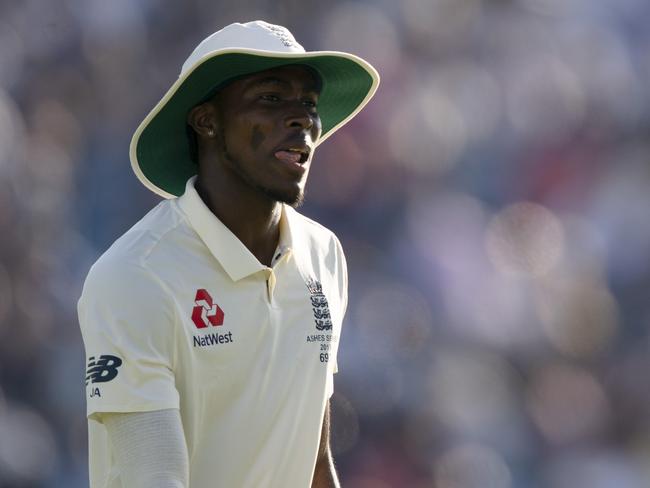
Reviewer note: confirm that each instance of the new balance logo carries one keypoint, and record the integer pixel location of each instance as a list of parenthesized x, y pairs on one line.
[(206, 311), (103, 369)]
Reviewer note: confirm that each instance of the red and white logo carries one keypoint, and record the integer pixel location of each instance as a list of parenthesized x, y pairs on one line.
[(206, 311)]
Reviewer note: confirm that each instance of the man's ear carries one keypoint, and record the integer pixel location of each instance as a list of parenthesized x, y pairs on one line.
[(203, 119)]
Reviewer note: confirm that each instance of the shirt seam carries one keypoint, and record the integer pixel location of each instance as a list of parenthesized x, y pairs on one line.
[(162, 284), (159, 238)]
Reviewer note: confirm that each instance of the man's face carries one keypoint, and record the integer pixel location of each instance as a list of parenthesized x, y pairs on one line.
[(268, 128)]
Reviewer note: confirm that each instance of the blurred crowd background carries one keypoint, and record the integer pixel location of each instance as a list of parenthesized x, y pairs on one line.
[(493, 201)]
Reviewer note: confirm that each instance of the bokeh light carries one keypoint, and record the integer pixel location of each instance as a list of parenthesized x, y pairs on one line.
[(545, 99), (6, 295), (11, 131), (471, 391), (597, 469), (567, 404), (394, 321), (427, 133), (27, 447), (437, 23), (471, 466), (365, 30), (12, 55), (525, 239), (578, 318)]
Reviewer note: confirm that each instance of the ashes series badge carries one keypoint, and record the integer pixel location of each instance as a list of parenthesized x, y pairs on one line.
[(319, 305), (323, 321)]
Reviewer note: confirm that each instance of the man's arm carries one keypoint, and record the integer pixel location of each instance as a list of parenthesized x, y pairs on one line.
[(149, 448), (325, 474)]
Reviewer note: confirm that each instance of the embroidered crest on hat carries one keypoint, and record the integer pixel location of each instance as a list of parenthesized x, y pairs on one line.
[(281, 33)]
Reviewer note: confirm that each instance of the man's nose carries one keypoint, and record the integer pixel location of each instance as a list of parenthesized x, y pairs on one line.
[(300, 117)]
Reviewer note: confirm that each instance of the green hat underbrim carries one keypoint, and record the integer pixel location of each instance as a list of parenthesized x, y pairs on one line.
[(160, 154)]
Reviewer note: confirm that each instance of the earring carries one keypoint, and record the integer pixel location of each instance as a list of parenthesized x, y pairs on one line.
[(210, 132)]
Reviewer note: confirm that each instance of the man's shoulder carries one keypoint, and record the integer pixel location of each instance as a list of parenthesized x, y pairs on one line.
[(155, 228), (322, 243), (130, 253), (312, 230)]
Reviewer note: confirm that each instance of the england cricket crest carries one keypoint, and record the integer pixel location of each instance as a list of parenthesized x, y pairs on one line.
[(319, 305)]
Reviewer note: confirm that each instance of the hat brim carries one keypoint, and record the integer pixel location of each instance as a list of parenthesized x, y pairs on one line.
[(159, 150)]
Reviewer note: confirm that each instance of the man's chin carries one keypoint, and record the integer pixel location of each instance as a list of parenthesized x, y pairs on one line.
[(293, 199)]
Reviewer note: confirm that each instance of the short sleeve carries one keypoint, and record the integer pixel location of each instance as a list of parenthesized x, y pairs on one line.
[(343, 277), (127, 323), (343, 289)]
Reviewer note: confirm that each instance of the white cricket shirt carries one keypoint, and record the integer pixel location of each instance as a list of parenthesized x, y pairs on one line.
[(179, 314)]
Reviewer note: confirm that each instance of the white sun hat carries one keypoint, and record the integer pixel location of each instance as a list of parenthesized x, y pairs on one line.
[(160, 148)]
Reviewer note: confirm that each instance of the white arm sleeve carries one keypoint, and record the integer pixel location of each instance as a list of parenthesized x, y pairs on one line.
[(149, 448)]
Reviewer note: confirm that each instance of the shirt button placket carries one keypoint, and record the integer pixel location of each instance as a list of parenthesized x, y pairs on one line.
[(270, 284)]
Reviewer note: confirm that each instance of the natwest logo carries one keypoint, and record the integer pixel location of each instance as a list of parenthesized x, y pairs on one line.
[(206, 311)]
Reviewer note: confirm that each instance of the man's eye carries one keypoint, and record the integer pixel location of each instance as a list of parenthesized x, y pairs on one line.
[(309, 103), (270, 98)]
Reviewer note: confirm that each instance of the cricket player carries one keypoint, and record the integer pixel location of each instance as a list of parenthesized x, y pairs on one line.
[(212, 326)]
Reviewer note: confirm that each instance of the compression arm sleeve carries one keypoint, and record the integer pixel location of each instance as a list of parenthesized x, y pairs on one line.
[(149, 448)]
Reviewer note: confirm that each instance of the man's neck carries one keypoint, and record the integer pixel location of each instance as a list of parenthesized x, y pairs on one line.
[(253, 217)]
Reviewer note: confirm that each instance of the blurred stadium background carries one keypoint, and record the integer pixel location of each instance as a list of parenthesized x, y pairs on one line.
[(493, 201)]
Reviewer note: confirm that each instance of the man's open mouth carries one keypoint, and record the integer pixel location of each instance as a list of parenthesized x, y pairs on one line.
[(295, 155)]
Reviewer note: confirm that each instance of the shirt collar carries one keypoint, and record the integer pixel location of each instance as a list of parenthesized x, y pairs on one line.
[(234, 257)]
